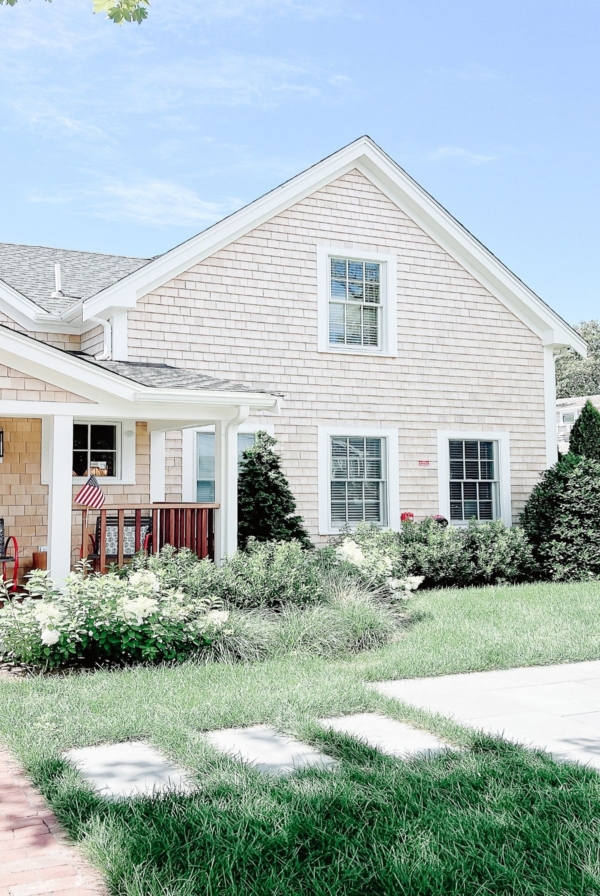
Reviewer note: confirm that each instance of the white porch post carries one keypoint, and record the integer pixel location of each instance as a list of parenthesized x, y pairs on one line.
[(60, 495), (158, 461), (226, 493)]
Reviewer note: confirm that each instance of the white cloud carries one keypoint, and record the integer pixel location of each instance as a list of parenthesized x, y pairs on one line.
[(457, 152), (154, 202)]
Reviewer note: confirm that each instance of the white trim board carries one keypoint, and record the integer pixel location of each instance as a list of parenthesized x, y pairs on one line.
[(393, 484), (389, 341), (503, 441)]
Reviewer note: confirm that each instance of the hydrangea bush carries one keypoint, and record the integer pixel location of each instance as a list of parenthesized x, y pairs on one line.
[(134, 618)]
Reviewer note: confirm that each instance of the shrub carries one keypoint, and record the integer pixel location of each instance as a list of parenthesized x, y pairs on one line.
[(266, 505), (106, 618), (562, 520), (585, 435), (436, 556)]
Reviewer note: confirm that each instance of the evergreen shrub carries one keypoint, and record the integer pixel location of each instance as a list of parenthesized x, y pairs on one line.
[(585, 434), (266, 505), (562, 520)]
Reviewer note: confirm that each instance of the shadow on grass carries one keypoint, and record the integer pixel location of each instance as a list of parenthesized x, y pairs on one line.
[(494, 820)]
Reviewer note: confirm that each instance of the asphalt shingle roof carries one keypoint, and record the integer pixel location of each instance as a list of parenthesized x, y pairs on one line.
[(30, 270), (163, 376)]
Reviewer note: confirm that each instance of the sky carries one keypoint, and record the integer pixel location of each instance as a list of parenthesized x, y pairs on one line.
[(131, 139)]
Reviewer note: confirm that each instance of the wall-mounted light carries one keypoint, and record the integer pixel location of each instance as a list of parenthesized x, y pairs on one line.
[(1, 444)]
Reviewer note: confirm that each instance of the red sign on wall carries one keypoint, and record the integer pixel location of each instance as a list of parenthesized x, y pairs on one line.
[(423, 463)]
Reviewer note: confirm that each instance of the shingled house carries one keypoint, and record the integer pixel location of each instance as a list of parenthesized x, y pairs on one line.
[(401, 366)]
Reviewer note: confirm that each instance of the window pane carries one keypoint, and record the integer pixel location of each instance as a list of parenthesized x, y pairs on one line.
[(473, 490), (336, 323), (206, 455), (356, 270), (205, 491), (80, 436), (372, 293), (338, 289), (103, 463), (338, 267), (355, 292), (370, 326), (353, 325), (103, 437), (80, 463), (372, 270)]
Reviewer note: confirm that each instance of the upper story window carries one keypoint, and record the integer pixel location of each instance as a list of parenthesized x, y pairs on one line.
[(355, 303), (474, 480), (96, 449)]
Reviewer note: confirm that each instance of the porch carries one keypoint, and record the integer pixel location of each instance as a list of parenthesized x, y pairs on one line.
[(66, 416)]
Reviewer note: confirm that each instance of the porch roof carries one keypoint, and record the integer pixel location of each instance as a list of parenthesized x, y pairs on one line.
[(123, 387)]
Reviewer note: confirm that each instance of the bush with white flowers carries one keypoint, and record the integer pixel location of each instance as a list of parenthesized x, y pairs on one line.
[(114, 618), (375, 561)]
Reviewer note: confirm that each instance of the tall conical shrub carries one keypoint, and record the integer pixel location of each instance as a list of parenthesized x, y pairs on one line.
[(265, 502), (585, 435)]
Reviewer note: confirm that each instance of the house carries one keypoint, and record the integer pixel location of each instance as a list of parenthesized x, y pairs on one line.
[(567, 412), (401, 365)]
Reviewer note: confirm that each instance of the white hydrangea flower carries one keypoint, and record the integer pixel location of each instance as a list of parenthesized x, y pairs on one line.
[(350, 551), (50, 636), (138, 609), (144, 579), (410, 583), (219, 617), (47, 613)]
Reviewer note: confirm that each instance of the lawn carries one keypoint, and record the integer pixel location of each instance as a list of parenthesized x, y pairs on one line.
[(488, 819)]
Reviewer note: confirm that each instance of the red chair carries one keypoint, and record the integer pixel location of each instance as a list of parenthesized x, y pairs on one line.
[(7, 557)]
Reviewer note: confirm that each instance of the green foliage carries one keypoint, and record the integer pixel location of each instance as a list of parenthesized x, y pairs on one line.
[(110, 618), (265, 503), (585, 434), (118, 11), (576, 375), (441, 557), (562, 520)]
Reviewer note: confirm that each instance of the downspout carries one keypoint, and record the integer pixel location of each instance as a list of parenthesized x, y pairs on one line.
[(106, 352)]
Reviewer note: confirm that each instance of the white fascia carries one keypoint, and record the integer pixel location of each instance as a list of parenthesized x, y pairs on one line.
[(401, 189), (503, 441), (30, 316)]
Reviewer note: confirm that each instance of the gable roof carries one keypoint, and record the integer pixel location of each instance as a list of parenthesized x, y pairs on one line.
[(29, 270), (364, 155)]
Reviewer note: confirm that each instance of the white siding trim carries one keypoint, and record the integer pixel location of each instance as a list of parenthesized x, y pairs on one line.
[(550, 405), (503, 441), (158, 470), (389, 312), (393, 485)]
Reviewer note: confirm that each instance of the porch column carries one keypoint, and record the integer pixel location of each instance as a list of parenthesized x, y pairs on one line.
[(226, 492), (158, 462), (60, 495)]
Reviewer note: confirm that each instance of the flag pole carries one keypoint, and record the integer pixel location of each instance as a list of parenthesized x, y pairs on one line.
[(84, 514)]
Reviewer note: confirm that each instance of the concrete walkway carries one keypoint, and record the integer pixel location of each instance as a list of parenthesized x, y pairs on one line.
[(555, 708), (35, 856)]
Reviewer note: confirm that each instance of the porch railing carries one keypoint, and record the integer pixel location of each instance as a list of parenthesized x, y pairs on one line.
[(155, 525)]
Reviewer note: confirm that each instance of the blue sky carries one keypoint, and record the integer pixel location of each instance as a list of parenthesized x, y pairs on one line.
[(131, 139)]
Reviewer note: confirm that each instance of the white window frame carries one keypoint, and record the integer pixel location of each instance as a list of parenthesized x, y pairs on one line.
[(125, 452), (389, 287), (324, 467), (502, 440), (189, 454)]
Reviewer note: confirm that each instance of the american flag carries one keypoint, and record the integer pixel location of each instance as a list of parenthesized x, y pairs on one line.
[(90, 495)]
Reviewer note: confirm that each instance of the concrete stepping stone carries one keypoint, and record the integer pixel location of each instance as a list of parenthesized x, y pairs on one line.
[(386, 735), (128, 769), (268, 750)]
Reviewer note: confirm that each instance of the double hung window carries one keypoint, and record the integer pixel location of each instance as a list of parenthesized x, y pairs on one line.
[(358, 480), (355, 303), (205, 477), (474, 481)]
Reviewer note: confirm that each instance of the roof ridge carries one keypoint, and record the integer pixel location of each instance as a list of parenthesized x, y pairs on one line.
[(79, 251)]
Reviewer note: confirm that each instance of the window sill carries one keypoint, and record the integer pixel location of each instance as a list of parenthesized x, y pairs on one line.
[(345, 350), (103, 480)]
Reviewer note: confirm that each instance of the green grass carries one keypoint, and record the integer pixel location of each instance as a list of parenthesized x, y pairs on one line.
[(487, 819)]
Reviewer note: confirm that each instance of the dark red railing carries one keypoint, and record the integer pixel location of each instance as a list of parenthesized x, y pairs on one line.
[(189, 526)]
